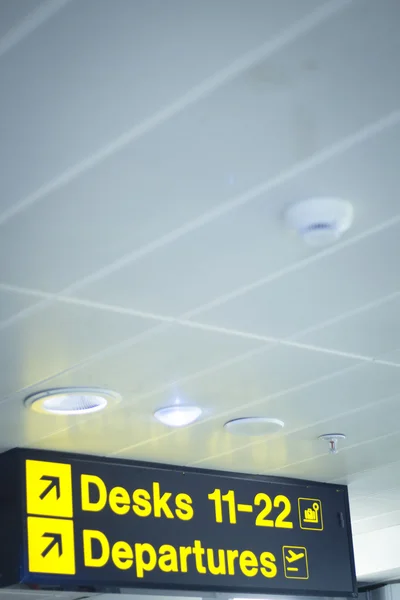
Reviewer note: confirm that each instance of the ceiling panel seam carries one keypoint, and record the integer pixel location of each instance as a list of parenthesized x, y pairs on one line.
[(361, 136), (251, 404), (288, 432), (287, 341), (30, 24), (204, 89), (342, 451), (48, 301)]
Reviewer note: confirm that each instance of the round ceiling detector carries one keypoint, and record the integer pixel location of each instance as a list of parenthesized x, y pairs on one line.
[(320, 221), (178, 415), (254, 426), (71, 401)]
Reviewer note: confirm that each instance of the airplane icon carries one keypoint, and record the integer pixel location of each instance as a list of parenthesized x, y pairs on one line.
[(295, 562), (293, 556)]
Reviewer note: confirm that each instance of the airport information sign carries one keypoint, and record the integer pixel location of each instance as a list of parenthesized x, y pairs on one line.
[(99, 522)]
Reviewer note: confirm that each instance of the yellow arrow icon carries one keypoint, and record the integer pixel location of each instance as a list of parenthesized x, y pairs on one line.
[(49, 489), (51, 547)]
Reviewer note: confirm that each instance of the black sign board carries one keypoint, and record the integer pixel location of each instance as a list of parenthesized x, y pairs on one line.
[(85, 521)]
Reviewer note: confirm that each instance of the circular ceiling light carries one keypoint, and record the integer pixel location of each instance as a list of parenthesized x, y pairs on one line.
[(71, 401), (178, 415), (320, 221), (254, 426)]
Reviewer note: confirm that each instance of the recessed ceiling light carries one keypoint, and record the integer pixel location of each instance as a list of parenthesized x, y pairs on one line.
[(254, 426), (71, 401), (178, 415)]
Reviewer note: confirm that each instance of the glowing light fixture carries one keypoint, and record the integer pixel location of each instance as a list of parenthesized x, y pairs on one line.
[(178, 415), (71, 401)]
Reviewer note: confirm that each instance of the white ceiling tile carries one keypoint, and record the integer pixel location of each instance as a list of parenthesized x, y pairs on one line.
[(210, 262), (86, 95), (214, 260), (121, 208), (379, 502), (12, 14), (321, 291), (393, 356), (374, 332), (275, 371), (241, 389), (92, 434), (12, 303), (195, 177), (375, 480), (158, 362), (186, 446), (104, 434), (246, 387), (330, 84), (150, 375), (364, 508), (352, 461), (298, 442), (47, 343), (379, 521)]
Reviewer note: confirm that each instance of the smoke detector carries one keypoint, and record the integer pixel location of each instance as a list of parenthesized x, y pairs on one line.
[(320, 221)]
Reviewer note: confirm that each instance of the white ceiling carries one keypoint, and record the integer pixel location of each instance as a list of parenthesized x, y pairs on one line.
[(148, 151)]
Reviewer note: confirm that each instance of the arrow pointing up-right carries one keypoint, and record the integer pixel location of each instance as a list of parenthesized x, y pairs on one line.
[(54, 482), (56, 540)]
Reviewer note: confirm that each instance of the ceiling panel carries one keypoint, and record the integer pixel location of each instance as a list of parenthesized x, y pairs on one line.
[(193, 176), (47, 343), (376, 504), (86, 95), (379, 521), (13, 13), (298, 444), (207, 440), (196, 178), (158, 361), (346, 392), (106, 434), (258, 375), (394, 355), (238, 389), (210, 262), (371, 455), (12, 303), (164, 362), (376, 480), (322, 290), (95, 434), (373, 332)]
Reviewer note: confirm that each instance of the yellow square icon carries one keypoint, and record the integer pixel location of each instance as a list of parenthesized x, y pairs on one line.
[(49, 489), (51, 547), (295, 562), (310, 514)]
